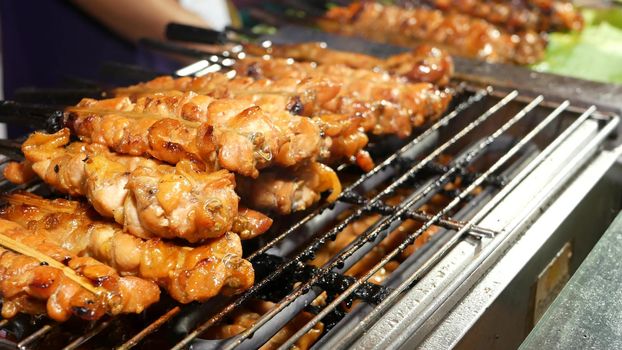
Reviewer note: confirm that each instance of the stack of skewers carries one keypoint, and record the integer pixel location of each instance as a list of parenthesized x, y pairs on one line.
[(169, 176), (490, 30)]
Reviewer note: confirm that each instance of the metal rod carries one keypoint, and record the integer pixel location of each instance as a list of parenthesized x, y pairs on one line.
[(169, 47), (35, 336), (433, 260), (194, 34), (150, 329), (413, 236), (452, 224), (262, 320), (89, 335)]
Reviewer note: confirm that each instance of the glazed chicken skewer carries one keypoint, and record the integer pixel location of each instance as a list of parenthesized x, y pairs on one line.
[(424, 63), (32, 287), (173, 140), (515, 16), (561, 14), (282, 100), (384, 104), (387, 104), (458, 33), (218, 133), (148, 198), (187, 273)]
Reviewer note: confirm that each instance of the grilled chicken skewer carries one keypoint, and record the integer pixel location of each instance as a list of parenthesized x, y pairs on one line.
[(307, 93), (515, 16), (342, 137), (218, 133), (31, 287), (187, 273), (384, 104), (458, 33), (425, 63), (173, 140), (148, 198), (387, 104), (561, 14)]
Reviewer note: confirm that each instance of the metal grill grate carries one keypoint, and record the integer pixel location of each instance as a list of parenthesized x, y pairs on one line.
[(495, 139)]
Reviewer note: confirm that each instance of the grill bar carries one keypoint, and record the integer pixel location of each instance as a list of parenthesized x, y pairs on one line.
[(35, 336), (402, 209), (443, 250), (377, 312), (413, 236), (76, 343), (517, 223), (333, 232), (150, 329)]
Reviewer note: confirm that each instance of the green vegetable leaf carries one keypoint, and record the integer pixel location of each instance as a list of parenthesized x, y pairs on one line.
[(594, 54)]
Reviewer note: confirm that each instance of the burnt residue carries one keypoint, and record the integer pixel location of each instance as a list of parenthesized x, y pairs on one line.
[(352, 197), (331, 282), (295, 106), (254, 71)]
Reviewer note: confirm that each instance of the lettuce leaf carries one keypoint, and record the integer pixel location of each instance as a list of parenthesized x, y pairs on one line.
[(594, 54)]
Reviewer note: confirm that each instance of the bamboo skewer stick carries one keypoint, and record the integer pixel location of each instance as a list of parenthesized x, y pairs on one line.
[(19, 247), (17, 199), (132, 115)]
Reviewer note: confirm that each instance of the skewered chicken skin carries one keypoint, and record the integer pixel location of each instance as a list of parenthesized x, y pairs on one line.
[(187, 273)]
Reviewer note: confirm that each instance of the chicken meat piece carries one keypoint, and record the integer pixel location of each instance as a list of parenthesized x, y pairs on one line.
[(458, 33), (186, 273), (30, 286), (289, 191), (424, 63), (148, 198), (246, 317)]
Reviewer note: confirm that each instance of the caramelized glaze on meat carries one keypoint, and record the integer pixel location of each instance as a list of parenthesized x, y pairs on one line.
[(455, 32), (148, 198), (385, 103), (424, 63), (187, 273), (30, 286), (279, 98), (229, 134)]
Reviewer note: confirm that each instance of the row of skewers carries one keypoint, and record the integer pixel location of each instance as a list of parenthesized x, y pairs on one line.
[(490, 30), (178, 171)]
